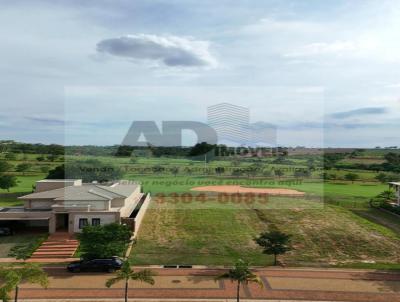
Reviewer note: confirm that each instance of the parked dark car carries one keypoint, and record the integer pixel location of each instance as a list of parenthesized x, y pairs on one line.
[(96, 265), (5, 231)]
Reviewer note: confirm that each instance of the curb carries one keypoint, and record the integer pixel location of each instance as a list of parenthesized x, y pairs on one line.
[(169, 300)]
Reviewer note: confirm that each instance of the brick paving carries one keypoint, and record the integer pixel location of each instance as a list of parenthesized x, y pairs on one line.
[(60, 245), (310, 285)]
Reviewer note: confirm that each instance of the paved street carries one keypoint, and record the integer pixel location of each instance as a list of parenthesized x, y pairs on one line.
[(301, 284)]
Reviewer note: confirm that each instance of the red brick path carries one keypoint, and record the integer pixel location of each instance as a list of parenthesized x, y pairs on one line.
[(59, 245)]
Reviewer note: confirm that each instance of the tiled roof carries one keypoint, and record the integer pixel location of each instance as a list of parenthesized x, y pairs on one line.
[(92, 192)]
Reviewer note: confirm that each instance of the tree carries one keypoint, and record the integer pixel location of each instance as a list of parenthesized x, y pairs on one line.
[(267, 173), (331, 159), (219, 170), (392, 162), (382, 198), (87, 170), (4, 166), (104, 241), (351, 177), (302, 173), (332, 176), (252, 170), (7, 182), (236, 162), (310, 164), (387, 195), (23, 168), (202, 149), (279, 173), (126, 273), (10, 156), (274, 243), (40, 158), (12, 276), (44, 169), (57, 173), (52, 157), (237, 172), (158, 169), (381, 177), (188, 171), (241, 274), (174, 170)]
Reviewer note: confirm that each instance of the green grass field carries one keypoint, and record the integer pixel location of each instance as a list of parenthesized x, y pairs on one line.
[(25, 183), (219, 235), (333, 225)]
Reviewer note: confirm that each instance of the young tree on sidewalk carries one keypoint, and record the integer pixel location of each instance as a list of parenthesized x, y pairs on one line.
[(241, 274), (126, 273), (11, 277)]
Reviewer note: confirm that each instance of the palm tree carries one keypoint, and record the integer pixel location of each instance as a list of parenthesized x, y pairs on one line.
[(12, 276), (241, 274), (126, 273)]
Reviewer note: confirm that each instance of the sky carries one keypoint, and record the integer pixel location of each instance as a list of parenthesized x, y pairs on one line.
[(323, 73)]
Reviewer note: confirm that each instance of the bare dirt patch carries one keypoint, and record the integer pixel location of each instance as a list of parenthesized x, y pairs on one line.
[(240, 189)]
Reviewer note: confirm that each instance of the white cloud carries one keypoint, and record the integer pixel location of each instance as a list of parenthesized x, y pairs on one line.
[(169, 50), (395, 85), (265, 25), (337, 47)]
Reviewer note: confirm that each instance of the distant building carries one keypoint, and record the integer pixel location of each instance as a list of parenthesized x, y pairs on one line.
[(69, 205)]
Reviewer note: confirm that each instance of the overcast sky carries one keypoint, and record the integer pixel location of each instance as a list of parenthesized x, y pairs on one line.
[(324, 73)]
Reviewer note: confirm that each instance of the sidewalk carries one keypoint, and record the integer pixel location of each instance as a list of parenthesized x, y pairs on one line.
[(199, 284), (38, 260), (162, 300)]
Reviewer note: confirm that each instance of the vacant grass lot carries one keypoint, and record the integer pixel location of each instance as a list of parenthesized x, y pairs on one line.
[(213, 234)]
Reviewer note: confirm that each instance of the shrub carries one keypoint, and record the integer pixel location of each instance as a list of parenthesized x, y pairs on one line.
[(104, 241), (25, 250)]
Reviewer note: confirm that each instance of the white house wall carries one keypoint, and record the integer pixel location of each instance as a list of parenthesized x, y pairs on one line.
[(130, 203), (94, 205), (104, 219), (36, 204)]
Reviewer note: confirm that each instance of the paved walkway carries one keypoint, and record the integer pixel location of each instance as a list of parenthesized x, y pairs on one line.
[(60, 245), (285, 284)]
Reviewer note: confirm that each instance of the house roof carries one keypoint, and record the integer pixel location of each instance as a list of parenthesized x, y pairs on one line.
[(395, 183), (58, 180), (85, 192)]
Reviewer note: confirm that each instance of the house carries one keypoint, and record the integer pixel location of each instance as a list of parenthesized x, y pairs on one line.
[(396, 186), (68, 205)]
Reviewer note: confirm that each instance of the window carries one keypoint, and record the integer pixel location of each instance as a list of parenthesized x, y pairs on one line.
[(95, 221), (83, 222)]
